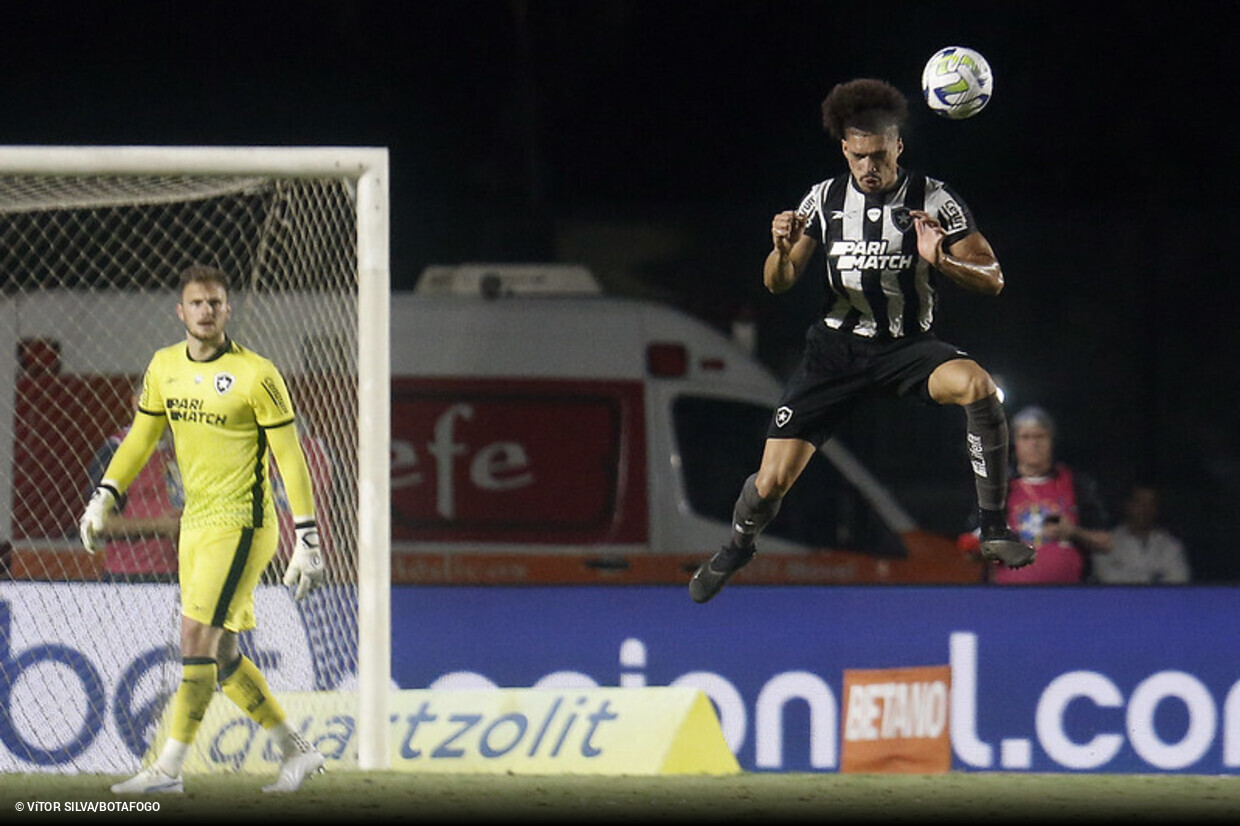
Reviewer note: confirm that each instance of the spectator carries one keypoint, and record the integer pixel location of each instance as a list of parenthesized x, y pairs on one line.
[(142, 536), (1051, 506), (1142, 552)]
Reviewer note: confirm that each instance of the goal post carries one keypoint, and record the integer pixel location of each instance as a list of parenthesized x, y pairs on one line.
[(92, 240)]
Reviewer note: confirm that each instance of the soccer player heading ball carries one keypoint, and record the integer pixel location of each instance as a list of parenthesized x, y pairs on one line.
[(887, 232), (227, 407)]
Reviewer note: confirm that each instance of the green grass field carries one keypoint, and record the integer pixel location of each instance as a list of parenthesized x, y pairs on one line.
[(358, 796)]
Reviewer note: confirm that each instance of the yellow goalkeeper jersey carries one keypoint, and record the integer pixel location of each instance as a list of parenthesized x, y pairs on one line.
[(220, 411)]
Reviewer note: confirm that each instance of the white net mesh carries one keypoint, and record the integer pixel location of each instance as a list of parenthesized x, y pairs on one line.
[(88, 267)]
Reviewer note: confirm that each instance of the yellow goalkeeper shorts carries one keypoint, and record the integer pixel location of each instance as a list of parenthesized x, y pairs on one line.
[(219, 569)]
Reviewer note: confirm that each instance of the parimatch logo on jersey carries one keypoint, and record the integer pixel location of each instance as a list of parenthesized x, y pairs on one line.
[(192, 410), (867, 255)]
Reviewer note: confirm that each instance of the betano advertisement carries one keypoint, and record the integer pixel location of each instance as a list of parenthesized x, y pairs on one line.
[(1041, 679)]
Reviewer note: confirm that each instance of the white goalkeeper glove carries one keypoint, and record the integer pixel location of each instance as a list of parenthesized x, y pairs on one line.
[(305, 569), (101, 505)]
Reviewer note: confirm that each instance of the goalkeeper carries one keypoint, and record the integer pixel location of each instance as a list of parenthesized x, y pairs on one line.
[(227, 407)]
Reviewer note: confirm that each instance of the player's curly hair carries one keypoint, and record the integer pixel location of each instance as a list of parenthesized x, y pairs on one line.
[(867, 104)]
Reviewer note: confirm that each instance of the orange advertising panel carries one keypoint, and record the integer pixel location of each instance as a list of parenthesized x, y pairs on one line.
[(895, 720)]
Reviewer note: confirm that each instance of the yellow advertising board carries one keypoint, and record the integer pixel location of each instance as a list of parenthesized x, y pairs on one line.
[(637, 731)]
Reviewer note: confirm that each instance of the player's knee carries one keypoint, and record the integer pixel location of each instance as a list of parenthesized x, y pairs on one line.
[(961, 382), (979, 386), (200, 640), (227, 650), (783, 461), (774, 484)]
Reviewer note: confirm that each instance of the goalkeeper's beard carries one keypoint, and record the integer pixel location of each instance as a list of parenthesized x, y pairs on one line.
[(214, 340)]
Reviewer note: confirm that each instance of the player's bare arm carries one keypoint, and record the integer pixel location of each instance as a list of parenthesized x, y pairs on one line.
[(970, 262), (791, 251)]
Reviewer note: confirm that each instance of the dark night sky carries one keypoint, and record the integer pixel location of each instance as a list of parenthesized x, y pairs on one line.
[(627, 104), (1103, 171)]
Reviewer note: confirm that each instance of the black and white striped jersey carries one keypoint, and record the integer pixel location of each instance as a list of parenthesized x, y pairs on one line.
[(877, 284)]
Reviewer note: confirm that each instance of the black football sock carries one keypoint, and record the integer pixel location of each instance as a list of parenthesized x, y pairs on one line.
[(988, 453), (751, 515), (991, 520)]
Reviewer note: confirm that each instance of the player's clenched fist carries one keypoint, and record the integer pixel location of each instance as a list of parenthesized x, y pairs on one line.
[(786, 228), (930, 235)]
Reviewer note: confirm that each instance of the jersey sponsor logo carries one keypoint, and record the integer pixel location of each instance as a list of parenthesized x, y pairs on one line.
[(874, 213), (809, 204), (867, 255), (224, 382), (783, 415), (952, 217), (192, 410)]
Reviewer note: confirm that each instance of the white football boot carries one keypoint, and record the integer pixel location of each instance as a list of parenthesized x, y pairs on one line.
[(151, 780), (297, 767)]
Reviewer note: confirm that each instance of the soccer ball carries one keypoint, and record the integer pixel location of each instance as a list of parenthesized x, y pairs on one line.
[(957, 82)]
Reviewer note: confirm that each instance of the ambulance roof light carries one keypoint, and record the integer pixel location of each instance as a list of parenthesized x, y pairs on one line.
[(667, 359)]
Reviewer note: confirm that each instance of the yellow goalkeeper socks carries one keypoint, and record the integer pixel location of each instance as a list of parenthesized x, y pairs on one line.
[(245, 685), (191, 701)]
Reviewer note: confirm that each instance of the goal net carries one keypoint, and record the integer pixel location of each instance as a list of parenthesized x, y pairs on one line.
[(92, 242)]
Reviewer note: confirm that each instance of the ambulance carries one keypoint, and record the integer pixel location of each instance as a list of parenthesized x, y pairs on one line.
[(543, 431)]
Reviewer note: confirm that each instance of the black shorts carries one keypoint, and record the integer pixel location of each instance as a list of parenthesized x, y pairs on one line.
[(840, 369)]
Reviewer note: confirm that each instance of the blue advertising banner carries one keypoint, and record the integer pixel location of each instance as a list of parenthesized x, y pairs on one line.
[(1043, 679)]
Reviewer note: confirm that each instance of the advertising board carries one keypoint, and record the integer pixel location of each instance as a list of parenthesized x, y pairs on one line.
[(1043, 679)]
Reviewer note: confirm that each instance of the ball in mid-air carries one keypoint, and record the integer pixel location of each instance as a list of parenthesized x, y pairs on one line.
[(957, 82)]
